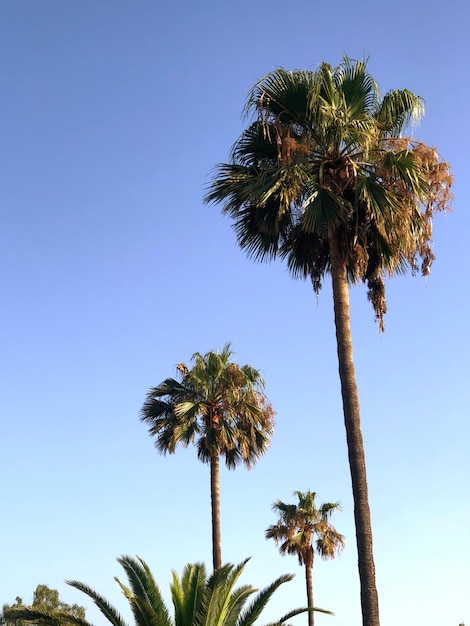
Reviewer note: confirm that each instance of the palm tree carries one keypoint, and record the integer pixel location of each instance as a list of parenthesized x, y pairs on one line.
[(198, 600), (220, 407), (296, 529), (326, 178)]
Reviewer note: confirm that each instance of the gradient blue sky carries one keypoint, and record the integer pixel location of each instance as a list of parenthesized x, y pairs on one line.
[(113, 114)]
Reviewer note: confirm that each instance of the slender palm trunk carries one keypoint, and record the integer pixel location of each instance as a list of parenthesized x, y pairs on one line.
[(309, 583), (352, 421), (215, 507)]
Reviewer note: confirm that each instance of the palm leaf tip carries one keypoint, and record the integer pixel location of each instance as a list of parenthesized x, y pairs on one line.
[(296, 612)]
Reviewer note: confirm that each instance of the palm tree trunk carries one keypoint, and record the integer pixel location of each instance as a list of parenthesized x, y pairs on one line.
[(309, 583), (215, 507), (352, 421)]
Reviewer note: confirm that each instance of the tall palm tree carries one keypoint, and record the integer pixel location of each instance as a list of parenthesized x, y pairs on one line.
[(326, 177), (296, 530), (221, 408), (198, 600)]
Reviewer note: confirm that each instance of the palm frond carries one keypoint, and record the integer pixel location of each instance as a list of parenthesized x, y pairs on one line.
[(406, 166), (299, 611), (357, 87), (43, 618), (254, 610), (187, 593), (107, 609), (146, 600), (238, 600), (216, 599), (322, 209), (397, 110), (281, 95)]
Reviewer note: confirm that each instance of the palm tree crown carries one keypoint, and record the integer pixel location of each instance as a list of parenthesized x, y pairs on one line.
[(217, 404), (303, 529), (299, 524), (221, 408), (198, 600), (328, 156)]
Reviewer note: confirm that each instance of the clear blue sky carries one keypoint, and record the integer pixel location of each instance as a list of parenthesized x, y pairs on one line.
[(112, 271)]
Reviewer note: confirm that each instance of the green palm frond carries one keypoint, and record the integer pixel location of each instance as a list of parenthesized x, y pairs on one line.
[(307, 255), (282, 95), (215, 604), (238, 600), (187, 593), (187, 410), (255, 147), (143, 613), (405, 166), (359, 90), (397, 109), (379, 205), (322, 208), (41, 618), (258, 603), (259, 230), (328, 508), (107, 609), (329, 544), (299, 611), (143, 584)]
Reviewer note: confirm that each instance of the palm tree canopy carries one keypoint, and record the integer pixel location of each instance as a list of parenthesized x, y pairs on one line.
[(300, 523), (216, 404), (198, 600), (326, 153)]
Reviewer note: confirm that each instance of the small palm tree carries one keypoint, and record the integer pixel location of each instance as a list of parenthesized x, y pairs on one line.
[(221, 408), (296, 530), (198, 600), (328, 177)]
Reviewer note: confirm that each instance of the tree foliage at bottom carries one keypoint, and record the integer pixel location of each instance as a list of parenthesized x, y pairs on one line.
[(45, 600), (198, 599)]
